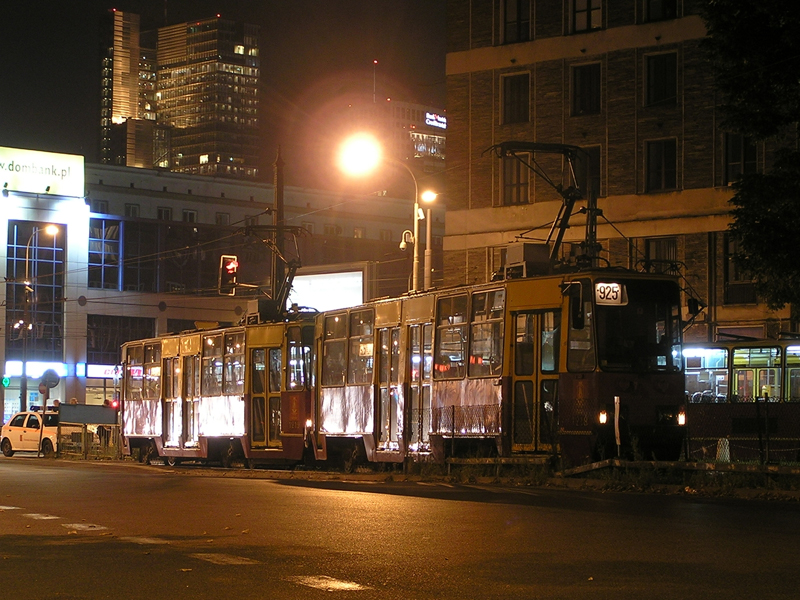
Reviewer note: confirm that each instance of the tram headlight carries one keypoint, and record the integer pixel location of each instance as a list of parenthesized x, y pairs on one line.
[(682, 417), (603, 417), (308, 423)]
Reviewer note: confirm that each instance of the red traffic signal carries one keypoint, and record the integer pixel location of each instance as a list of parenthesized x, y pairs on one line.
[(228, 273)]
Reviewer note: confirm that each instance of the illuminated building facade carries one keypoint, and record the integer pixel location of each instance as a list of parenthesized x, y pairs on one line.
[(136, 254), (629, 83), (183, 97)]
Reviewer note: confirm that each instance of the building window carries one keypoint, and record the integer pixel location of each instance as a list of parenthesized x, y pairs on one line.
[(189, 216), (105, 334), (164, 213), (358, 232), (661, 255), (100, 207), (587, 15), (140, 249), (251, 221), (586, 89), (662, 79), (739, 286), (331, 229), (386, 235), (40, 256), (308, 226), (104, 254), (516, 21), (516, 176), (661, 165), (131, 210), (660, 10), (516, 94), (222, 218), (740, 157)]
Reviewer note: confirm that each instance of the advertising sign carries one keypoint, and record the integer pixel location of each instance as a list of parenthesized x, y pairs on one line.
[(41, 172)]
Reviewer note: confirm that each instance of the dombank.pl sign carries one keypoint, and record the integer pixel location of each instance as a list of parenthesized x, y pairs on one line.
[(41, 172)]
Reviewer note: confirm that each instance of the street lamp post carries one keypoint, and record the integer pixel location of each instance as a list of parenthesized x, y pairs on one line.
[(25, 324), (361, 154)]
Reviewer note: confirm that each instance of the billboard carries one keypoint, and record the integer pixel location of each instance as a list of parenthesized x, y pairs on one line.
[(37, 172), (328, 291)]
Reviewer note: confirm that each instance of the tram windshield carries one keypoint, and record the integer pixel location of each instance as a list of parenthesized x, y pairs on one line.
[(638, 326)]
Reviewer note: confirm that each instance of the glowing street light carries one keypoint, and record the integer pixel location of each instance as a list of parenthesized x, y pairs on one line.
[(25, 325), (359, 155)]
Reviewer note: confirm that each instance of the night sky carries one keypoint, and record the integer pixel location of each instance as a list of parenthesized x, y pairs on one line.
[(311, 51)]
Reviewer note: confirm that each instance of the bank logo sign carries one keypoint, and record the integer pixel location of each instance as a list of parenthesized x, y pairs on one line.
[(36, 172)]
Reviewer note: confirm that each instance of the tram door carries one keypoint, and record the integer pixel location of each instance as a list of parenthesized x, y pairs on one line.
[(420, 357), (388, 417), (191, 400), (265, 398), (535, 380)]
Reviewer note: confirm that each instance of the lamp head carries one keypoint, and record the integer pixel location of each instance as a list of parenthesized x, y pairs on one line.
[(359, 154)]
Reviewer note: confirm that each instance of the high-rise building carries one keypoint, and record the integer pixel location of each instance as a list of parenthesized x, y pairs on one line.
[(183, 97), (207, 91)]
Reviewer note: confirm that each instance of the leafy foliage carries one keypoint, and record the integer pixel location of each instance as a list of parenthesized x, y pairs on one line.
[(766, 218), (754, 46)]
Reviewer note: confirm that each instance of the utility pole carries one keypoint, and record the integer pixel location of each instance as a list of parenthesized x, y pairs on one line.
[(278, 268)]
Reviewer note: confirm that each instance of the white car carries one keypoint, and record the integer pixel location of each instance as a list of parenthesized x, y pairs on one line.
[(23, 433)]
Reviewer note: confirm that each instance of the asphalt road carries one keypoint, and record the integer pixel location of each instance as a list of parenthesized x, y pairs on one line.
[(71, 530)]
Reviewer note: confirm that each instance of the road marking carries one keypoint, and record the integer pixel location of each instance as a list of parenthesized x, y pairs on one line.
[(224, 559), (10, 508), (143, 540), (83, 526), (323, 582), (40, 516)]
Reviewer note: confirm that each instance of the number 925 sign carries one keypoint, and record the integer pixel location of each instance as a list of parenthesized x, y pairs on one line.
[(610, 293)]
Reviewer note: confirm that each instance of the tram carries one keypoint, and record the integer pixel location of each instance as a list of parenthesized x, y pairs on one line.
[(743, 399), (552, 364)]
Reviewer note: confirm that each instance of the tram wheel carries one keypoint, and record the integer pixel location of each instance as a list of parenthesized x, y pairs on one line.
[(172, 461), (226, 456)]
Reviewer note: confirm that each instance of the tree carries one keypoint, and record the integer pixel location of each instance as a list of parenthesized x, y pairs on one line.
[(754, 47)]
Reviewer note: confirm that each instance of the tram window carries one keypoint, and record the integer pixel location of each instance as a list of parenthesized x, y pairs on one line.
[(486, 335), (333, 351), (551, 340), (135, 372), (524, 344), (275, 370), (258, 368), (359, 369), (191, 376), (212, 365), (233, 375), (756, 372), (451, 338), (152, 371), (299, 357), (706, 374), (580, 349), (172, 378), (793, 372)]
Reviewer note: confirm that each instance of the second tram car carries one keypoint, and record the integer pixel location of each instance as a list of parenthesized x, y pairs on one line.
[(516, 367)]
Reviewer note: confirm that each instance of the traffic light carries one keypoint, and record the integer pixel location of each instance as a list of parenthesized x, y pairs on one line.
[(228, 272)]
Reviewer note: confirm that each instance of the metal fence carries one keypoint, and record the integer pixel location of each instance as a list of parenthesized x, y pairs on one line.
[(759, 431), (80, 440)]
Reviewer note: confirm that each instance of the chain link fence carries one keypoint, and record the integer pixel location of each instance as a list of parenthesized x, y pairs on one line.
[(86, 441), (748, 432)]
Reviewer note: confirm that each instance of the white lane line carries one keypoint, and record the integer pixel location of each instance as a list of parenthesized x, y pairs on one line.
[(10, 508), (83, 526), (40, 516), (224, 559), (323, 582), (143, 540)]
